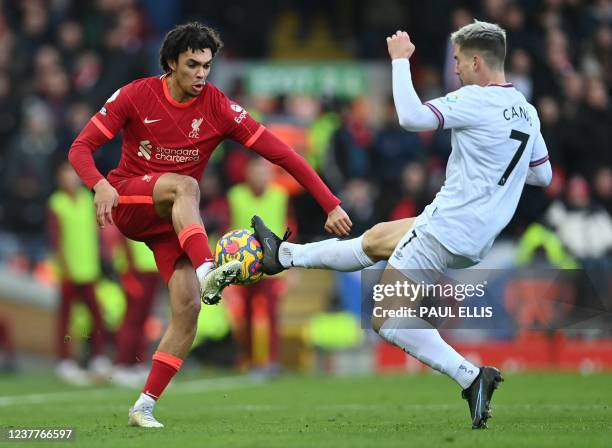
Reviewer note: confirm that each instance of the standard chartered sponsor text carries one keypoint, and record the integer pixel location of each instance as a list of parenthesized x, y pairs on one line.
[(179, 155)]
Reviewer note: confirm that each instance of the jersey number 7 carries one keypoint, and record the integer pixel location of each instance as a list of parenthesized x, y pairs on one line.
[(522, 138)]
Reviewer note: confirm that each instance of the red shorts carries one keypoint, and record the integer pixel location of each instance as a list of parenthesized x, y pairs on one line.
[(136, 218)]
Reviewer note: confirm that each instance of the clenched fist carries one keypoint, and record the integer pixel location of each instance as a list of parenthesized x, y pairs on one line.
[(400, 46)]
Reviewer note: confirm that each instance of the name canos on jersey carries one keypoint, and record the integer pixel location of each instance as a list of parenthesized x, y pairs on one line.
[(514, 112)]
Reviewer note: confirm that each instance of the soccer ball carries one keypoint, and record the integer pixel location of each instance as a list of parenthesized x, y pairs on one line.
[(241, 245)]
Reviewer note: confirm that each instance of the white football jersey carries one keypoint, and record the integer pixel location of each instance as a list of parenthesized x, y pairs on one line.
[(495, 138)]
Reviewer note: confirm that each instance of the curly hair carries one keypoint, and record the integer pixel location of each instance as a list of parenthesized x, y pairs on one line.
[(194, 36)]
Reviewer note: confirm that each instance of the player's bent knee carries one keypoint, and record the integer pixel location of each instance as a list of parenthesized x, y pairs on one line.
[(377, 323), (188, 186), (372, 240)]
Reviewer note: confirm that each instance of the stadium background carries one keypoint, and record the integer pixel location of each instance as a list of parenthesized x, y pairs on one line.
[(317, 74)]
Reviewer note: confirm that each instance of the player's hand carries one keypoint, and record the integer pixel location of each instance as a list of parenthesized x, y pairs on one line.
[(338, 222), (400, 46), (105, 199)]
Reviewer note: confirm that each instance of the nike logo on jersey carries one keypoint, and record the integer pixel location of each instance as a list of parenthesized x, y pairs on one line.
[(147, 120)]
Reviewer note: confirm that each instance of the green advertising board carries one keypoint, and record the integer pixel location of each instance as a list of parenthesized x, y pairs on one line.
[(341, 80)]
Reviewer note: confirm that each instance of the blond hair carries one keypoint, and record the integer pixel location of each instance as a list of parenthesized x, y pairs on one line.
[(487, 39)]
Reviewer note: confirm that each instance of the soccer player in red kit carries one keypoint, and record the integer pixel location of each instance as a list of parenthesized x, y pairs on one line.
[(171, 124)]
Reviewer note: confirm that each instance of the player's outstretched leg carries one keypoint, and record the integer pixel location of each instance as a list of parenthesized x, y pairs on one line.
[(479, 395), (333, 254), (213, 283)]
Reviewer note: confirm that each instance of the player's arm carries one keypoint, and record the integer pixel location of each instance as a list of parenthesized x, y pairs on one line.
[(99, 130), (540, 170), (276, 151), (413, 115), (81, 157)]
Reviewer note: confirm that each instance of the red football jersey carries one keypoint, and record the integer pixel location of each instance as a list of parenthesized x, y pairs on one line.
[(163, 135)]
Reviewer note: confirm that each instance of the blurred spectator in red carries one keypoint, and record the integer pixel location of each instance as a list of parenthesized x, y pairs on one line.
[(413, 190), (349, 154), (136, 266), (257, 195)]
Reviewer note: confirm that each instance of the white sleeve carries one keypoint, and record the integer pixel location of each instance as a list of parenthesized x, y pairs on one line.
[(540, 170), (412, 114), (461, 108)]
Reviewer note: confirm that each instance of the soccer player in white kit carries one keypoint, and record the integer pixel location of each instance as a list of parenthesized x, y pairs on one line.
[(497, 148)]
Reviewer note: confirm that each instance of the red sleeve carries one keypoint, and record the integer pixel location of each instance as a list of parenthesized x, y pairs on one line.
[(102, 127), (276, 151), (81, 154)]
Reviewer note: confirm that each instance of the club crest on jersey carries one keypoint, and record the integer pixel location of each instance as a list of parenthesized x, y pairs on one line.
[(195, 127)]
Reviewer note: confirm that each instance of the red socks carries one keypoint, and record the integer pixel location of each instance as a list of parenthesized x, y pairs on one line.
[(164, 367), (194, 241)]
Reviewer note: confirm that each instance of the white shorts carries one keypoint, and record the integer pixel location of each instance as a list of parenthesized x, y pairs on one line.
[(421, 257)]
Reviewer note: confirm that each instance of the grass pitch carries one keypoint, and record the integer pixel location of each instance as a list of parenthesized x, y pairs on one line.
[(539, 410)]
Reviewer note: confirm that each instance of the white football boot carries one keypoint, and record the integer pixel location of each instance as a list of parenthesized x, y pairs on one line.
[(213, 283), (143, 416)]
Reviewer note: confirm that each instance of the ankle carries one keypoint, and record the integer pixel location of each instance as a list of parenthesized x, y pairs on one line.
[(144, 401), (285, 254), (204, 269)]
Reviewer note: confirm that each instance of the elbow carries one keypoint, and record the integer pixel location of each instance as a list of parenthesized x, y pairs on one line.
[(543, 176), (72, 155), (407, 124), (548, 175)]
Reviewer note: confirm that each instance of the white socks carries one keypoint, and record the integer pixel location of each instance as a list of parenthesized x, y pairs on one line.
[(426, 345), (144, 401), (204, 269), (334, 254)]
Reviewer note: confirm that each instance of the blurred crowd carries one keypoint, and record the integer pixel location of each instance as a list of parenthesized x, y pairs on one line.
[(60, 60)]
